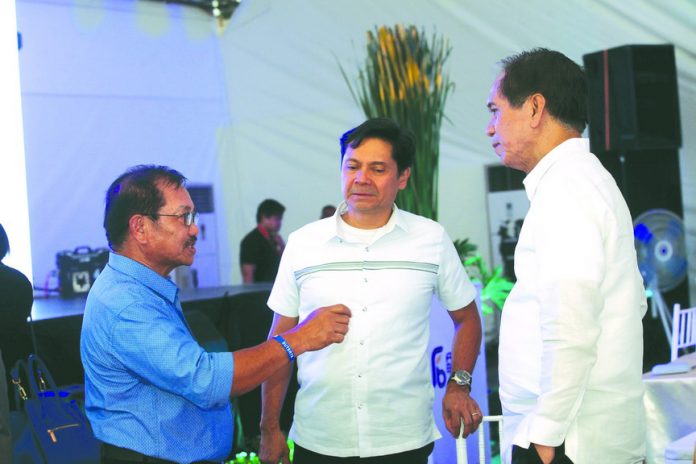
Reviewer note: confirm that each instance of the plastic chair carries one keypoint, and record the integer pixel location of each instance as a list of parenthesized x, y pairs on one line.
[(683, 329), (461, 441)]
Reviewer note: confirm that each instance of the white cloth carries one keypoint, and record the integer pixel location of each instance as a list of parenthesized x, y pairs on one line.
[(681, 451), (372, 394), (670, 409), (571, 336)]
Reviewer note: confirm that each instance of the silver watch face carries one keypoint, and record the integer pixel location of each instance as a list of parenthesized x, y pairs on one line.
[(461, 377)]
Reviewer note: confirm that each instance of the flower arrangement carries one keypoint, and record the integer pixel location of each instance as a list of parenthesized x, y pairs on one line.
[(403, 79)]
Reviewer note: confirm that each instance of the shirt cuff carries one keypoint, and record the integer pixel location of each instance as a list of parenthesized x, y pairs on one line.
[(540, 430), (223, 367)]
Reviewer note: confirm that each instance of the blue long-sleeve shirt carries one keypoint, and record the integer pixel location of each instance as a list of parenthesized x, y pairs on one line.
[(149, 385)]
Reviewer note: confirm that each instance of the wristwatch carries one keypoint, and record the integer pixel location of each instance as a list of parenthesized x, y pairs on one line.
[(461, 378)]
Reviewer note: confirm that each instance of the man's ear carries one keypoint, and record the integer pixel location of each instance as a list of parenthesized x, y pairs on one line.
[(537, 105), (403, 178), (138, 228)]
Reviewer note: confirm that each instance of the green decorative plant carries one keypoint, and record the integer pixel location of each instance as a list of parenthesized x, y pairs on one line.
[(495, 286), (403, 79)]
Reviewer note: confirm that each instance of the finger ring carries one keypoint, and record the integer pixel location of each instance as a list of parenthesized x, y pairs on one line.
[(475, 414)]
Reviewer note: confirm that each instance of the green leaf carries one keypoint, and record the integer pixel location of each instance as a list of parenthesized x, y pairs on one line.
[(495, 286)]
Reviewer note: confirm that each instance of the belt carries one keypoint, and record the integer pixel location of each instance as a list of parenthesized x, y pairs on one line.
[(114, 453)]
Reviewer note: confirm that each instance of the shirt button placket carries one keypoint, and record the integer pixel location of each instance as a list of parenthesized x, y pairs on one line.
[(364, 270), (361, 376)]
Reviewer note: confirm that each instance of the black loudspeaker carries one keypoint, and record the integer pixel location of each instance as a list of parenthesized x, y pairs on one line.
[(633, 99), (648, 179), (502, 178)]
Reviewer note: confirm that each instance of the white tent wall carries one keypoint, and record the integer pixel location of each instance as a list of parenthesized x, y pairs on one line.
[(107, 85), (258, 111)]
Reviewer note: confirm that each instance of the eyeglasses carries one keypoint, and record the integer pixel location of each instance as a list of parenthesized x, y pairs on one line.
[(189, 218)]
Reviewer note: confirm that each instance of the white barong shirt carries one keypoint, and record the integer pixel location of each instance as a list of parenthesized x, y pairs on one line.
[(571, 340)]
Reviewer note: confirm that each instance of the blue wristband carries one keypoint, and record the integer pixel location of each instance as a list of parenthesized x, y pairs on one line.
[(286, 347)]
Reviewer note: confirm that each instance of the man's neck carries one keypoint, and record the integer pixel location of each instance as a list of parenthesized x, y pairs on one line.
[(137, 254), (366, 220), (554, 136)]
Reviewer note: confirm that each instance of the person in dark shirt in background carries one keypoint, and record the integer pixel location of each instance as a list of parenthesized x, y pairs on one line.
[(260, 250), (16, 299)]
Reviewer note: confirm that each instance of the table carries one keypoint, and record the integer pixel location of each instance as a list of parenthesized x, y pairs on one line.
[(55, 307), (670, 406), (239, 313)]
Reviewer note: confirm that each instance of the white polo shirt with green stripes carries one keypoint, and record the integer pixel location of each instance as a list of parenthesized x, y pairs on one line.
[(372, 394)]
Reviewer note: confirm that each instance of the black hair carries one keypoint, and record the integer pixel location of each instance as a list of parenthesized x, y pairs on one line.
[(328, 211), (137, 191), (559, 79), (401, 140), (268, 208)]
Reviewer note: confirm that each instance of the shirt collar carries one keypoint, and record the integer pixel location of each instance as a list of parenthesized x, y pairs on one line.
[(144, 275), (332, 230), (533, 179)]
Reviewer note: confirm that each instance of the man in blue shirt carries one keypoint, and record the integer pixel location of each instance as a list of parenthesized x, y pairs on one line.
[(152, 393)]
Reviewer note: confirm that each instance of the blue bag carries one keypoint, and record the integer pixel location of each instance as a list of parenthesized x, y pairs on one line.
[(51, 426)]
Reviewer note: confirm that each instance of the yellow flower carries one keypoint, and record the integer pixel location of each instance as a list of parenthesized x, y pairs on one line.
[(383, 34), (392, 92), (414, 73), (401, 32)]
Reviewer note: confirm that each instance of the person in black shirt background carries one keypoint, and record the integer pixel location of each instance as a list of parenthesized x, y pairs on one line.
[(261, 249), (16, 299)]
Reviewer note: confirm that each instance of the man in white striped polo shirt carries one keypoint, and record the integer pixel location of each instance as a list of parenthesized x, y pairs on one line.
[(369, 399)]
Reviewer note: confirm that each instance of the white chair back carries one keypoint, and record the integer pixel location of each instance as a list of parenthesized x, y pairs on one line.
[(683, 329), (461, 441)]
